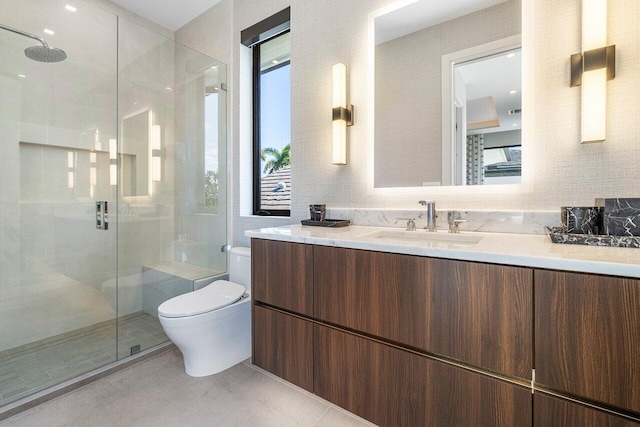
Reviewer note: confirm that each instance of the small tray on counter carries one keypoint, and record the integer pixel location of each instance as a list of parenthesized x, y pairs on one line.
[(327, 223), (558, 236)]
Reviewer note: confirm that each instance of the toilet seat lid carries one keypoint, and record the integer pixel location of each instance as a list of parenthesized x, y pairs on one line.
[(212, 297)]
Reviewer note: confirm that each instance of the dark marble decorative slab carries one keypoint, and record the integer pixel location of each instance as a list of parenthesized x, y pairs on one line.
[(558, 236), (622, 217), (327, 223), (582, 220)]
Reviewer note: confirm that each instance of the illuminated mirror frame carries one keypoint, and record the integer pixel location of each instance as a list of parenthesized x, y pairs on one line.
[(528, 167)]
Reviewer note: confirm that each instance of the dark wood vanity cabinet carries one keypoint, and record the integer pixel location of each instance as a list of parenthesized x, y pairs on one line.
[(394, 387), (283, 345), (282, 275), (480, 314), (364, 290), (552, 411), (418, 341), (587, 330), (382, 384)]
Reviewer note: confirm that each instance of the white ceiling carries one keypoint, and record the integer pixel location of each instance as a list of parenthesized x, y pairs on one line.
[(171, 14), (423, 14), (496, 77)]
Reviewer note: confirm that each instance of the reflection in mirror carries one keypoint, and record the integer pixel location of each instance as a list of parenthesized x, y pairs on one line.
[(483, 143), (415, 142), (135, 155)]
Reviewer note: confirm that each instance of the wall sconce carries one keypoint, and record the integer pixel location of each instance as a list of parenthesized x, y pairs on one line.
[(93, 172), (71, 166), (113, 162), (592, 68), (342, 114), (156, 153)]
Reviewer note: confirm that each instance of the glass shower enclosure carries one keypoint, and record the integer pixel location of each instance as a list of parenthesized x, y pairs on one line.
[(112, 189)]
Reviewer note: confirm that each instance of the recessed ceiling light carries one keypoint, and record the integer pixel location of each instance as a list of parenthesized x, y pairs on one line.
[(48, 31), (168, 88), (513, 92), (514, 125), (275, 61), (215, 67), (22, 76), (70, 8), (511, 55)]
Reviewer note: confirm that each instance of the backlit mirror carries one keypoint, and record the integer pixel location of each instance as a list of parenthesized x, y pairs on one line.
[(448, 104)]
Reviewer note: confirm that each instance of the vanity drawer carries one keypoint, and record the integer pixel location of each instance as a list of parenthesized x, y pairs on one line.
[(479, 314), (394, 387), (550, 411), (282, 275), (378, 293), (587, 332), (482, 314), (382, 384), (283, 345)]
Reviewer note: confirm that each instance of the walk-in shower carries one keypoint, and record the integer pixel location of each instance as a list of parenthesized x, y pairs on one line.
[(112, 188)]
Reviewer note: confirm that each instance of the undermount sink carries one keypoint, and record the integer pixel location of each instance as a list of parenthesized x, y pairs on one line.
[(423, 236)]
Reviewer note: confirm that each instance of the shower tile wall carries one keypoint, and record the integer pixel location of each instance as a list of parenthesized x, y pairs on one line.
[(10, 106), (52, 261)]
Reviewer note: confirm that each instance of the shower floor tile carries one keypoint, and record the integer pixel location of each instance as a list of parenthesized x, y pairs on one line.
[(35, 366)]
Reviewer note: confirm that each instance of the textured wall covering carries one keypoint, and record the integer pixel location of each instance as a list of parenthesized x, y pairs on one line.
[(563, 171)]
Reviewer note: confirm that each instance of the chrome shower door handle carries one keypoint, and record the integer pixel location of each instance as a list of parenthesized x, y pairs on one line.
[(102, 215)]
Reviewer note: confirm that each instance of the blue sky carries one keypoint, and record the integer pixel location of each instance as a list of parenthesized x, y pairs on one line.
[(275, 100), (211, 132)]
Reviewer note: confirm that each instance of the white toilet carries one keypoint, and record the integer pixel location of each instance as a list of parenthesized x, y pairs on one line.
[(212, 326)]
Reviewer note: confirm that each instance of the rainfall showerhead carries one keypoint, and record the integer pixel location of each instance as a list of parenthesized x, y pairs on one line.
[(44, 53)]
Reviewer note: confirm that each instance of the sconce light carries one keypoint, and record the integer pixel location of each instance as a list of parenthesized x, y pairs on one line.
[(156, 153), (342, 114), (71, 165), (113, 162), (592, 68)]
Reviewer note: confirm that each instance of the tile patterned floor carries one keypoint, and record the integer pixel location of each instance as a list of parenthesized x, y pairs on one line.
[(157, 392), (32, 367)]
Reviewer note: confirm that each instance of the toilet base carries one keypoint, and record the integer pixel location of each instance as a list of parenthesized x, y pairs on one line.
[(212, 342)]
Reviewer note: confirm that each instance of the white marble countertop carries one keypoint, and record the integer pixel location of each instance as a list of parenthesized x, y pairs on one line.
[(499, 248)]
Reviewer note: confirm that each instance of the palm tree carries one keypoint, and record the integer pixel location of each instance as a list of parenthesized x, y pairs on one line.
[(211, 189), (279, 159)]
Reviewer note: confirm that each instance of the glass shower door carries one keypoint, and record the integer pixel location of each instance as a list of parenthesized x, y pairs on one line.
[(57, 283), (172, 198)]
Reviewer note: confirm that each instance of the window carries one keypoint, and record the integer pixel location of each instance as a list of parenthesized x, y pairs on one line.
[(503, 161), (270, 41), (211, 177)]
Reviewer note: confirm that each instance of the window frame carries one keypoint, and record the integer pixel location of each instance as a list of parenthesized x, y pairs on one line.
[(253, 37), (257, 179)]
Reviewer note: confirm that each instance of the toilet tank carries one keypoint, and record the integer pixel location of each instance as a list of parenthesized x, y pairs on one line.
[(240, 266)]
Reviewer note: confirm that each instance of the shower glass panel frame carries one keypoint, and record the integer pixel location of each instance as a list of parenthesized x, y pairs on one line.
[(131, 118)]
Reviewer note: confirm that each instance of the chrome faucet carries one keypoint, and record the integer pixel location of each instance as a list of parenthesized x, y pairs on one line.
[(411, 223), (431, 214), (453, 218)]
